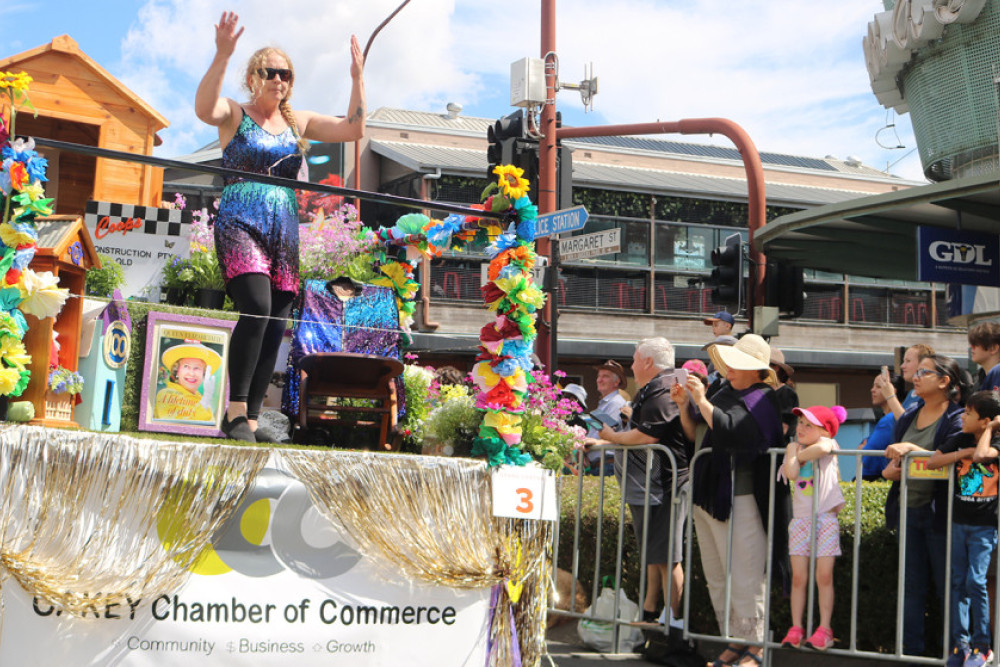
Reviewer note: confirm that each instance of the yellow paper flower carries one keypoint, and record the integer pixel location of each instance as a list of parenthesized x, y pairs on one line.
[(13, 238), (505, 423), (13, 352), (484, 377), (510, 181), (518, 381), (532, 296), (8, 380), (42, 295)]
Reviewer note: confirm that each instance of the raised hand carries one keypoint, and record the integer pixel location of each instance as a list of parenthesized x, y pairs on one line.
[(357, 58), (226, 33)]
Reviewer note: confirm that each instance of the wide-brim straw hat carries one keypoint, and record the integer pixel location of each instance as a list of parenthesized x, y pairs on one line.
[(778, 359), (750, 353), (191, 350)]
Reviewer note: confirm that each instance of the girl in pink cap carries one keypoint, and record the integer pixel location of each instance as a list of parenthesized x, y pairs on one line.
[(811, 451)]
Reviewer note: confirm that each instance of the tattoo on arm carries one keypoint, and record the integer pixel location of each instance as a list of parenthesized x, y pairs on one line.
[(357, 115)]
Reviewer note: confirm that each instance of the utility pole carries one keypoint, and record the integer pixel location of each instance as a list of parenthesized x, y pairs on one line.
[(547, 177)]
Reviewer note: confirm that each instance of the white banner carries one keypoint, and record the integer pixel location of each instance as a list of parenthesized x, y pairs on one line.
[(140, 238), (281, 586)]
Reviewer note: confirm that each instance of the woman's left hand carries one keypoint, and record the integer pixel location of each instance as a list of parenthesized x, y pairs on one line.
[(357, 58)]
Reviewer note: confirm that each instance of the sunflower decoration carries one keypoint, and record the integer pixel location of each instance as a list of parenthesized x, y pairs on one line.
[(511, 180)]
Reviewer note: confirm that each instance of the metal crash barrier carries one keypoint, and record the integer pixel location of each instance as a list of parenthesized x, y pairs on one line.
[(846, 646)]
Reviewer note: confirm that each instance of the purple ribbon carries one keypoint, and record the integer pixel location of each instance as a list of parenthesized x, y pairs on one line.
[(515, 644)]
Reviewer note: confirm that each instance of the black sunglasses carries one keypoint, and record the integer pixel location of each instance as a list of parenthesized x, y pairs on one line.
[(269, 73)]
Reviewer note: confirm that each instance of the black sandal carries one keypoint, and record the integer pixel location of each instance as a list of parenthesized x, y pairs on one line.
[(740, 651)]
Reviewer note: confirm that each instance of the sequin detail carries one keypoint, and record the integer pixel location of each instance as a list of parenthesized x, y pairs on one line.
[(257, 230), (367, 323)]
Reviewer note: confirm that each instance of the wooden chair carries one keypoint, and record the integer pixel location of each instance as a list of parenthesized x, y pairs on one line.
[(326, 378)]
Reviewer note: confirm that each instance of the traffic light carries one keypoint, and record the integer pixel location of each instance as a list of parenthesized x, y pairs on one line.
[(785, 288), (502, 137), (727, 276)]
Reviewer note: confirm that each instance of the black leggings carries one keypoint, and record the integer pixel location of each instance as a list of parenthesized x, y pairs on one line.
[(253, 349)]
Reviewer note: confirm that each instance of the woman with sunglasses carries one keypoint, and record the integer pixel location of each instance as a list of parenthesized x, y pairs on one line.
[(941, 390), (257, 229)]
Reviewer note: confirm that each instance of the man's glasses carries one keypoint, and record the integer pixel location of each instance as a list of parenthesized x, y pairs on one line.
[(269, 73), (920, 372)]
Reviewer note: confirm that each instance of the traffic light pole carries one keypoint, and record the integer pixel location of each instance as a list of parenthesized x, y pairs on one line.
[(751, 163), (547, 340)]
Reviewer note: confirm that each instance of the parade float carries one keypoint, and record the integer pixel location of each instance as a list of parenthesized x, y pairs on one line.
[(120, 550)]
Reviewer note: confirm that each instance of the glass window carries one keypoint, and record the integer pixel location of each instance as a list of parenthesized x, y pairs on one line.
[(684, 248)]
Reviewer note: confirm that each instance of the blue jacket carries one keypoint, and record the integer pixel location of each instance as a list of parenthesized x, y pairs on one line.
[(950, 424)]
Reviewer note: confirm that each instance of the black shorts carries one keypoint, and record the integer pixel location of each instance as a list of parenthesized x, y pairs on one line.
[(658, 547)]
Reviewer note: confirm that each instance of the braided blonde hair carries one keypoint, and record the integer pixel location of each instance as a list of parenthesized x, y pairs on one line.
[(252, 81)]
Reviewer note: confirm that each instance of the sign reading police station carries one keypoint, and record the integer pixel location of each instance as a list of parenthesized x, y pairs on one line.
[(952, 256)]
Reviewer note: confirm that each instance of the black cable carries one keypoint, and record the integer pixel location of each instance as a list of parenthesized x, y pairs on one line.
[(406, 202)]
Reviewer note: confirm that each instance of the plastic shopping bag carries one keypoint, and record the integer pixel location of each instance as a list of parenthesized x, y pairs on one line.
[(599, 634)]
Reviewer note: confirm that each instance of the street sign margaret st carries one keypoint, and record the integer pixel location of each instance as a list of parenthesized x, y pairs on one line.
[(590, 245), (557, 222)]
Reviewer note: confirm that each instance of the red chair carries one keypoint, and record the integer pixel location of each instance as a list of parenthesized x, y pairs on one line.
[(856, 303), (639, 298), (661, 291), (621, 295), (453, 279), (830, 307)]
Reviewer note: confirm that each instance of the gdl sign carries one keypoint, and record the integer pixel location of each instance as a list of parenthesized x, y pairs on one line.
[(952, 256)]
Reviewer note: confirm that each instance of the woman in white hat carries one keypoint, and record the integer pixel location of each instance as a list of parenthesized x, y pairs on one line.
[(187, 365), (744, 422)]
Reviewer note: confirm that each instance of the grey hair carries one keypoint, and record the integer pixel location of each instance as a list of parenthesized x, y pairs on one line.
[(659, 349)]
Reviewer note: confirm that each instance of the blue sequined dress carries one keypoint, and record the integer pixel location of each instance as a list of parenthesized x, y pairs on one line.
[(257, 229)]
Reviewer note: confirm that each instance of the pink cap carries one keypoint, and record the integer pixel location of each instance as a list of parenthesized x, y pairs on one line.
[(695, 366), (826, 418)]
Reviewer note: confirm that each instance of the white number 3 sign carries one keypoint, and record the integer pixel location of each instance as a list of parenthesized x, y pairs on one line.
[(524, 493)]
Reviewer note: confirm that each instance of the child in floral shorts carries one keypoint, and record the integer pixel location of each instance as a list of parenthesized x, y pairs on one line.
[(811, 453)]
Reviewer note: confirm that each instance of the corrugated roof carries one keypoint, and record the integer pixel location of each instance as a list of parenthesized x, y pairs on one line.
[(51, 232), (463, 161), (470, 125)]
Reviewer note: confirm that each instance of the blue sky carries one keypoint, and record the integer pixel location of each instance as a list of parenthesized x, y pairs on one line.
[(790, 72)]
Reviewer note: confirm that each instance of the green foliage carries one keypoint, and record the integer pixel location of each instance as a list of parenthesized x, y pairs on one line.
[(417, 380), (877, 566), (178, 274), (105, 280), (206, 272), (455, 419)]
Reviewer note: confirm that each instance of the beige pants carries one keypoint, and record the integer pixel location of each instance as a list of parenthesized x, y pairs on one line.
[(747, 571)]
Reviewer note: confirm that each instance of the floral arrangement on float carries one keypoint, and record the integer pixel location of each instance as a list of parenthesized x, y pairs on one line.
[(502, 374), (22, 291)]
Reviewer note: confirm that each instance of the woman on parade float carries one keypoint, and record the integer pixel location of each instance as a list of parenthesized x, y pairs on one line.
[(256, 232)]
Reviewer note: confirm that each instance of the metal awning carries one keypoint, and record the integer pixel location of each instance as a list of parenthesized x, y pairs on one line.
[(472, 162), (876, 236)]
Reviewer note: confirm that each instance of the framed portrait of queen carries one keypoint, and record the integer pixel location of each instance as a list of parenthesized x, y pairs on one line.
[(184, 376)]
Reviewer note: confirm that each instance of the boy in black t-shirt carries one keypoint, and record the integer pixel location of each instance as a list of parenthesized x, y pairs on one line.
[(974, 452)]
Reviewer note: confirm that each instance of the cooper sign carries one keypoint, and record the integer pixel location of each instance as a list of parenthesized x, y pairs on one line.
[(952, 256), (140, 238)]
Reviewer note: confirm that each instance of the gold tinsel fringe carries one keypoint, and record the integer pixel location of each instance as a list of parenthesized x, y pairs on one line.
[(442, 531), (88, 519)]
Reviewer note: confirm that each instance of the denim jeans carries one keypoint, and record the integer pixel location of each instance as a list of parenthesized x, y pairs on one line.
[(925, 557), (971, 547)]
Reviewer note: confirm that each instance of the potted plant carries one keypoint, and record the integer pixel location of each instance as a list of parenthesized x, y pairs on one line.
[(105, 280), (177, 284), (209, 287), (64, 385)]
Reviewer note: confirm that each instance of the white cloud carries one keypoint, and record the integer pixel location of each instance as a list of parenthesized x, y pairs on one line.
[(791, 73)]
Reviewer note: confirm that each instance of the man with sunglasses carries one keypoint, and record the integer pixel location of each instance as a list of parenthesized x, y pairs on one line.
[(257, 229)]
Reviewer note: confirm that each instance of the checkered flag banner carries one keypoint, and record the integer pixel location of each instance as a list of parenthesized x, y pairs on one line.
[(128, 217)]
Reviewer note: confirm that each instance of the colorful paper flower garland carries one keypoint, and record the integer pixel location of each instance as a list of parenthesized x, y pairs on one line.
[(22, 291)]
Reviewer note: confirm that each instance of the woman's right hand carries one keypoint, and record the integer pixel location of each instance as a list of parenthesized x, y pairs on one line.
[(695, 388), (226, 34)]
